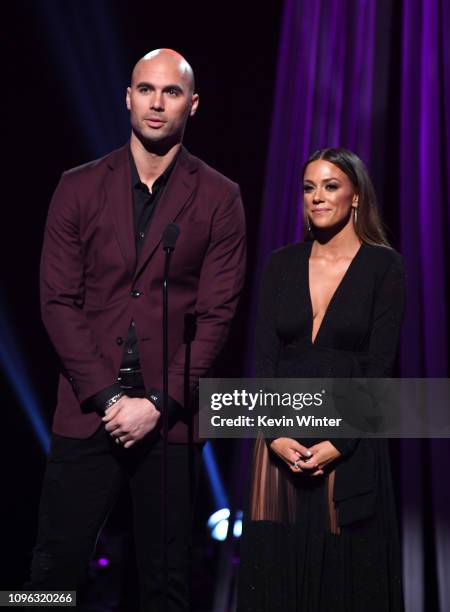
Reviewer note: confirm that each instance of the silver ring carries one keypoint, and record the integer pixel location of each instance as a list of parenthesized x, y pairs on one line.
[(119, 441), (296, 465)]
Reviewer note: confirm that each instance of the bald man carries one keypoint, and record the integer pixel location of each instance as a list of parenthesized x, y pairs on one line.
[(101, 298)]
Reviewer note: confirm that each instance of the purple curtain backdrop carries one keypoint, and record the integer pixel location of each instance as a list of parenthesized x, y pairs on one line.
[(374, 76)]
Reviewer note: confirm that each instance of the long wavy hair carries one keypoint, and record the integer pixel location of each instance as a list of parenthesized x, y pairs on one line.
[(368, 227)]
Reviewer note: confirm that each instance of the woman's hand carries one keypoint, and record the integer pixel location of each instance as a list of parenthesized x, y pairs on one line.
[(291, 452), (310, 460), (323, 453)]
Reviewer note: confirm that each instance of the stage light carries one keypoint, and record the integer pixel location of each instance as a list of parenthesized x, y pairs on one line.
[(218, 524), (13, 365), (218, 491), (218, 516), (220, 531), (102, 562), (237, 528)]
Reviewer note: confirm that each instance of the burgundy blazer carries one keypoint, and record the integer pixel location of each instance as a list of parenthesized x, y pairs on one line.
[(89, 270)]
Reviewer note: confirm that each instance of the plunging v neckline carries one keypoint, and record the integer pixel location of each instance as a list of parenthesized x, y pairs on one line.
[(332, 299)]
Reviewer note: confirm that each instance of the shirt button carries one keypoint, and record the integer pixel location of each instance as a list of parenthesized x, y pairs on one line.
[(135, 293), (141, 235), (130, 351), (133, 324), (119, 340)]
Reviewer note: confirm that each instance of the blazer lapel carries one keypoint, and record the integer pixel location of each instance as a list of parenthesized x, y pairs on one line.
[(119, 197), (177, 192)]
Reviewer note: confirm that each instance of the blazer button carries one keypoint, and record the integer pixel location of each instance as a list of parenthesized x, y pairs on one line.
[(119, 340), (135, 293)]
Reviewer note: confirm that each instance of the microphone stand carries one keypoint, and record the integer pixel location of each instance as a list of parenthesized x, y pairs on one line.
[(170, 236), (190, 328)]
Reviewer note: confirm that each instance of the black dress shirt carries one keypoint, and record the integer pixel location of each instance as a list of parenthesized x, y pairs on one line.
[(144, 203)]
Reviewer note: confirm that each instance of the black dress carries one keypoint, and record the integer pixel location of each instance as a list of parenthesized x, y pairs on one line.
[(329, 543)]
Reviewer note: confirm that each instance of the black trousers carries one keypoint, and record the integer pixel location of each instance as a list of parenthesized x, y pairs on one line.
[(82, 481)]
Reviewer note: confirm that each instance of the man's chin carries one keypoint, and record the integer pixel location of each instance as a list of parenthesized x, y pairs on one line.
[(154, 135)]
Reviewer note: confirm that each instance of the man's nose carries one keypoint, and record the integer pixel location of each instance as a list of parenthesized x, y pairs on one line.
[(156, 102)]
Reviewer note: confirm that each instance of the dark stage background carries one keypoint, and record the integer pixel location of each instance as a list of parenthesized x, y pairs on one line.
[(276, 81)]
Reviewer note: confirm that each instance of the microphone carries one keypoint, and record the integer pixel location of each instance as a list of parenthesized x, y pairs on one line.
[(170, 236)]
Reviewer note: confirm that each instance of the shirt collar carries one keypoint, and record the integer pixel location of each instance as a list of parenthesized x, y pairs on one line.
[(162, 178)]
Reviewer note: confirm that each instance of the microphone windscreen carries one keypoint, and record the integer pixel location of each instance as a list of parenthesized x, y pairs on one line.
[(170, 236)]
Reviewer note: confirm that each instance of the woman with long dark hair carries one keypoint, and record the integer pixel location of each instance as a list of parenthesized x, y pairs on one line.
[(320, 533)]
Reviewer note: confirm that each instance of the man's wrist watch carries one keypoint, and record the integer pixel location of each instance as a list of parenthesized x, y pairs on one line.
[(113, 400)]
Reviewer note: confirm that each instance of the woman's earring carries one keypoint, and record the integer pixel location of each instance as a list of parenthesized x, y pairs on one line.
[(355, 215), (309, 225)]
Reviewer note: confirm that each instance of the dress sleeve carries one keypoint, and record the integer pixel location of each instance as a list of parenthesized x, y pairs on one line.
[(387, 319), (388, 312), (267, 339)]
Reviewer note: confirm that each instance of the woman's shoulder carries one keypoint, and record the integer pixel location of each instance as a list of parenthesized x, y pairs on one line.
[(284, 262), (383, 254), (383, 261), (288, 254)]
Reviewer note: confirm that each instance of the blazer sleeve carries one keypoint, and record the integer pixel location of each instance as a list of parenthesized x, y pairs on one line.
[(220, 285), (62, 297), (388, 312)]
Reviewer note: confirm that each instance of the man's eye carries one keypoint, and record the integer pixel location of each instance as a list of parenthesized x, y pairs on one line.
[(143, 89), (172, 92)]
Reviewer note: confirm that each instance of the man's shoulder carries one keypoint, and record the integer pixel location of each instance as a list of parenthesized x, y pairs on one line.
[(99, 165), (209, 174)]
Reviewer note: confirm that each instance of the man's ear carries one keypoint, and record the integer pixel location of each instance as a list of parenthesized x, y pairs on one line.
[(194, 104)]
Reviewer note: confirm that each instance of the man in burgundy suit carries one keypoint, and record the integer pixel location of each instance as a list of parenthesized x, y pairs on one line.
[(101, 298)]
